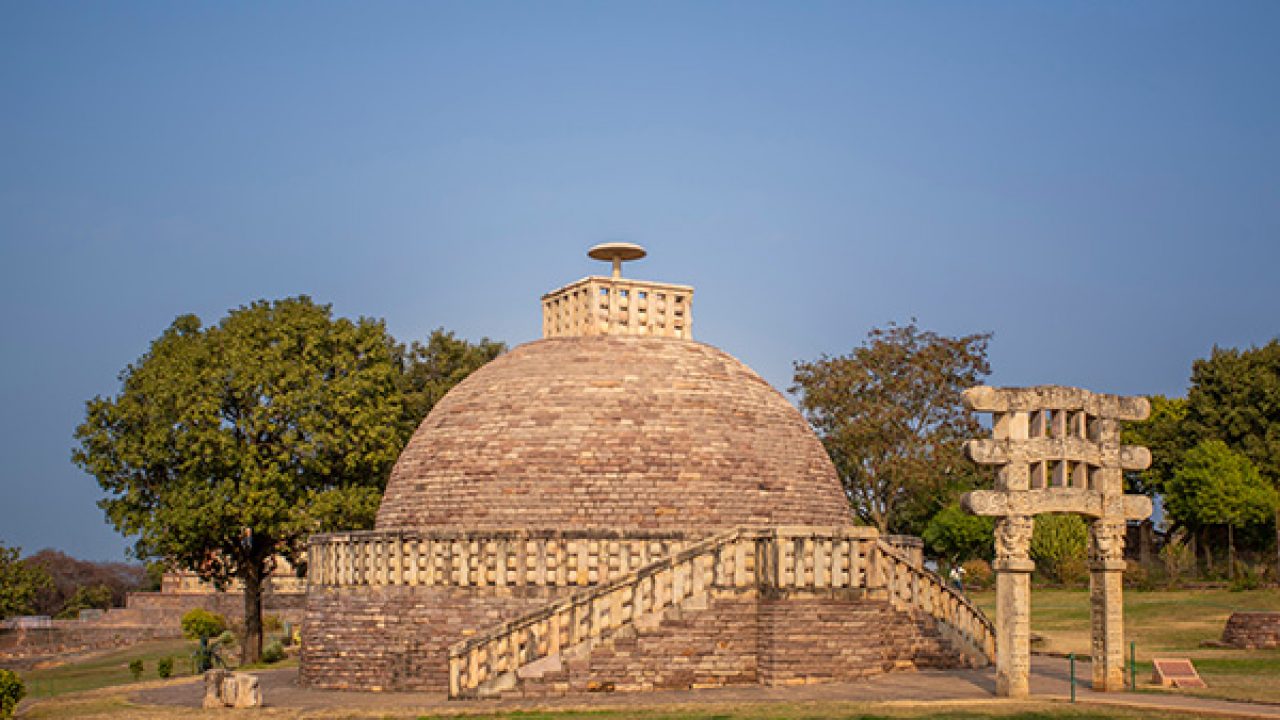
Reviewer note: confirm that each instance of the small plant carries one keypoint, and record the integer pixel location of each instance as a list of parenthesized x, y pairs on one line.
[(11, 692), (135, 669), (273, 653), (164, 668), (977, 574), (272, 623), (1247, 577), (200, 623)]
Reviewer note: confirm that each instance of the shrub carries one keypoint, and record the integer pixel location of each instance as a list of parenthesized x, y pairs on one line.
[(200, 623), (1058, 545), (273, 653), (164, 668), (1178, 557), (11, 692), (271, 623), (977, 574), (1247, 577), (135, 668)]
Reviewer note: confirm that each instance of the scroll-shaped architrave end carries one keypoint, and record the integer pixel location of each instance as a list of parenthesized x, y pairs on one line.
[(1137, 507), (1134, 457), (985, 398), (1051, 500), (987, 451)]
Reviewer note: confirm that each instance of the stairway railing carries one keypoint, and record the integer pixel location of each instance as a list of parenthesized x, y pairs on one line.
[(784, 558), (914, 588)]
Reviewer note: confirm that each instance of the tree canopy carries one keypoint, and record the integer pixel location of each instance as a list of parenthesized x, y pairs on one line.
[(228, 445), (891, 416), (20, 583)]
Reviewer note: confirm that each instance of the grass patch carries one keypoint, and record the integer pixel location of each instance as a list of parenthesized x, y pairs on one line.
[(109, 668), (1165, 623)]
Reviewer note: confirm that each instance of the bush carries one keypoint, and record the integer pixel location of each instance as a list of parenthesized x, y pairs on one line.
[(135, 669), (11, 692), (1247, 577), (273, 653), (1058, 545), (200, 623), (164, 668), (977, 575), (271, 623), (1178, 557)]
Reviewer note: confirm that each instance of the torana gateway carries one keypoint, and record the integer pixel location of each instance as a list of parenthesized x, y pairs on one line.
[(619, 507)]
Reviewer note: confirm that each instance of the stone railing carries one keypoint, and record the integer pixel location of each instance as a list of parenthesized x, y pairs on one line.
[(482, 559), (910, 587), (780, 559), (618, 306)]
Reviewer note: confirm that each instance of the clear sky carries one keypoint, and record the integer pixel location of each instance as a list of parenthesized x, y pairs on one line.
[(1096, 183)]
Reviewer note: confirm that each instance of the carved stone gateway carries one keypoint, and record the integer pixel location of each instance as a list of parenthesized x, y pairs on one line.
[(1058, 451)]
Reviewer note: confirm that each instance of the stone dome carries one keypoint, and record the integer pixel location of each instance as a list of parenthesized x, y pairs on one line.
[(621, 433)]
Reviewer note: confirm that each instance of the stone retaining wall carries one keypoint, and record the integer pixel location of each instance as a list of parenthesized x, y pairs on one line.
[(398, 637), (1252, 630)]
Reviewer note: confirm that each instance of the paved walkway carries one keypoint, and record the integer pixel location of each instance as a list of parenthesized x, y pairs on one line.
[(1050, 680)]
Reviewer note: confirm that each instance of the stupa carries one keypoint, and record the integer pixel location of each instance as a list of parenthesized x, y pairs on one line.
[(619, 507)]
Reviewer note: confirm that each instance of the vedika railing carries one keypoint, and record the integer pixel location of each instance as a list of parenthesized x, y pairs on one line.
[(482, 558)]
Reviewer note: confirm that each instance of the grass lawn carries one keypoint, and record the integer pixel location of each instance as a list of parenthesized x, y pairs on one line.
[(1165, 624), (110, 668)]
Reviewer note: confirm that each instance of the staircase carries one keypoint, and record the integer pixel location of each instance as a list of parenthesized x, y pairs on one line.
[(776, 561)]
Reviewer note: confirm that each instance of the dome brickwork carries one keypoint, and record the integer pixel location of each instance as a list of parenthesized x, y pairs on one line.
[(614, 433)]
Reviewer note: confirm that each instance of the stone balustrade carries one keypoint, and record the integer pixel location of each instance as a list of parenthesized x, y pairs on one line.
[(779, 560), (482, 559), (618, 306), (912, 588)]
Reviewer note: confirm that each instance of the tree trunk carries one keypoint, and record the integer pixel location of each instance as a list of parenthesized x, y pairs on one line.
[(1208, 553), (251, 647), (1231, 551)]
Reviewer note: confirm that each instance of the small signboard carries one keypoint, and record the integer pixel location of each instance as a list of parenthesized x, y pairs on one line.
[(1176, 672)]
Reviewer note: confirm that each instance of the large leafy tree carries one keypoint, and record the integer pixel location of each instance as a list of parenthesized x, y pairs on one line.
[(228, 445), (20, 583), (1165, 433), (1235, 397), (1217, 486), (891, 416), (429, 370)]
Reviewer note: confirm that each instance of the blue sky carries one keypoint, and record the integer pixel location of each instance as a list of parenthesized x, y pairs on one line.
[(1096, 183)]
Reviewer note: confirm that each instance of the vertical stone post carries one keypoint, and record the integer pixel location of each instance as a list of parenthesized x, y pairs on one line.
[(1013, 605), (1106, 602)]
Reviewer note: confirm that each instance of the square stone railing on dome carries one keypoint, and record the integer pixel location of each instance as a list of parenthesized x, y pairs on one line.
[(482, 559), (777, 560), (618, 306)]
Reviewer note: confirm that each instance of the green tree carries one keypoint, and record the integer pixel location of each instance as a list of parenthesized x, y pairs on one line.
[(1235, 397), (1165, 433), (20, 583), (228, 445), (1218, 486), (428, 371), (198, 623), (891, 416), (957, 536), (87, 597), (1058, 546)]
